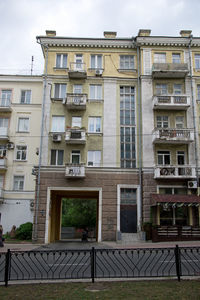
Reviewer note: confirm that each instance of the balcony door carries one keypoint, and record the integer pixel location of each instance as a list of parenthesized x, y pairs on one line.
[(75, 157)]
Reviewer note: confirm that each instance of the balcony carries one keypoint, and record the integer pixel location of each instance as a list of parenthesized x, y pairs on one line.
[(5, 105), (181, 172), (75, 136), (170, 70), (175, 102), (3, 164), (173, 136), (4, 133), (75, 101), (77, 71), (75, 171)]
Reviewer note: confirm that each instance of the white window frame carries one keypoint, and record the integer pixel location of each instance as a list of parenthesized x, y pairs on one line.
[(127, 62), (6, 96), (55, 124), (20, 153), (182, 154), (56, 158), (3, 150), (163, 157), (98, 61), (94, 158), (198, 91), (177, 89), (76, 153), (159, 57), (197, 61), (179, 122), (78, 62), (19, 181), (176, 58), (162, 121), (161, 89), (61, 64), (96, 92), (27, 100), (95, 122), (77, 122), (78, 88), (24, 125), (61, 88)]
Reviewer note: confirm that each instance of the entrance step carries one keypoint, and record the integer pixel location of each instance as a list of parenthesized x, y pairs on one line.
[(127, 238)]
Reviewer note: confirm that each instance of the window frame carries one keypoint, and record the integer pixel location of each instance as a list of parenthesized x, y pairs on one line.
[(161, 89), (58, 89), (176, 60), (95, 163), (163, 154), (96, 65), (28, 127), (197, 61), (57, 152), (52, 124), (127, 60), (18, 182), (25, 97), (21, 151), (95, 124), (96, 92), (61, 65), (162, 121), (157, 59), (8, 98)]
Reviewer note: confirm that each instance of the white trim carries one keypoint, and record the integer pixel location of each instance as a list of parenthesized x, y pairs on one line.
[(139, 209), (49, 189)]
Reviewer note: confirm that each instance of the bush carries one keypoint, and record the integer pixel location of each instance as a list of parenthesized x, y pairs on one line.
[(24, 232)]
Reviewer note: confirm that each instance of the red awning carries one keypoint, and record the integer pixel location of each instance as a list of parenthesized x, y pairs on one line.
[(158, 198)]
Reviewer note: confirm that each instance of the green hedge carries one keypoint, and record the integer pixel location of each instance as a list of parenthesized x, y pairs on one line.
[(24, 232)]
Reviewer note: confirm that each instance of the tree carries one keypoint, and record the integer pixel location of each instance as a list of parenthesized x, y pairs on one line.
[(79, 213)]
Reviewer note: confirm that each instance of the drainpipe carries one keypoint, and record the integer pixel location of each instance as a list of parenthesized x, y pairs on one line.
[(35, 233), (194, 115), (140, 135)]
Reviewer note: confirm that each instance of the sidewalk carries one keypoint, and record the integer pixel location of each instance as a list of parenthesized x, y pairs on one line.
[(102, 245)]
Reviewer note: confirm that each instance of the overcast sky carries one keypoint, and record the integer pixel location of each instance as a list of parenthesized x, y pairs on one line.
[(22, 20)]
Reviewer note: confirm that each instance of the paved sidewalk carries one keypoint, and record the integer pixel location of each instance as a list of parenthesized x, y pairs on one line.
[(88, 245)]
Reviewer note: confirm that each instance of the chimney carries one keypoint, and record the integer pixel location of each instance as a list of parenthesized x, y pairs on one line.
[(185, 33), (144, 32), (50, 33), (110, 34)]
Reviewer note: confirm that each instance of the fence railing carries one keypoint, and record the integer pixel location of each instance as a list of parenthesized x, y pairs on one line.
[(99, 263)]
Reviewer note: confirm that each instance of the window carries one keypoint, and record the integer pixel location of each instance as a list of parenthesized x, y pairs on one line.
[(21, 153), (161, 89), (127, 62), (159, 57), (76, 122), (79, 62), (128, 196), (75, 157), (163, 157), (162, 122), (6, 97), (18, 184), (26, 97), (3, 122), (23, 124), (57, 157), (77, 88), (198, 92), (177, 89), (2, 150), (94, 158), (180, 157), (94, 124), (95, 92), (96, 61), (176, 58), (1, 181), (61, 60), (179, 122), (58, 124), (127, 126), (60, 90), (197, 61)]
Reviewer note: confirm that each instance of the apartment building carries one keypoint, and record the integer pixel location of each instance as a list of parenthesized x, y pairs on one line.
[(20, 115), (121, 127)]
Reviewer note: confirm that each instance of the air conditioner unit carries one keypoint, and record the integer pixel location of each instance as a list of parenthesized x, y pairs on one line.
[(34, 171), (99, 72), (192, 184), (10, 146), (90, 163), (31, 205), (56, 137)]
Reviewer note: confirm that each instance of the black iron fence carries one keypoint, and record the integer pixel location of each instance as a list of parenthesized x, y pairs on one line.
[(99, 263)]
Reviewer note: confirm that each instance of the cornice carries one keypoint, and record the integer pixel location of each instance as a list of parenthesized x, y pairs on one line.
[(167, 41)]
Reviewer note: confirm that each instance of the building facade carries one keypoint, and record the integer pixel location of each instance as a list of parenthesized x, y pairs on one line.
[(20, 115), (120, 125)]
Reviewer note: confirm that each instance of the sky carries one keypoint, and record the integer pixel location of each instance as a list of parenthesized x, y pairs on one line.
[(22, 20)]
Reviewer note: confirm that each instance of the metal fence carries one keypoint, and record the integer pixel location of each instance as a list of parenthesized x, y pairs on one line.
[(99, 263)]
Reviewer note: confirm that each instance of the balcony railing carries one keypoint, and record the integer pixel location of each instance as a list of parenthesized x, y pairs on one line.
[(77, 71), (177, 102), (5, 105), (182, 171), (75, 171), (75, 101), (3, 133), (175, 233), (3, 163), (75, 136), (170, 70), (173, 135)]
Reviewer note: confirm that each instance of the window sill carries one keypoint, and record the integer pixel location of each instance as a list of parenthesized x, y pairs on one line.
[(60, 68), (95, 133), (18, 160), (22, 131), (57, 99), (95, 100), (127, 70)]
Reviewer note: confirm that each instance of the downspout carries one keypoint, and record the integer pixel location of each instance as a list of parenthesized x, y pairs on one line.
[(194, 115), (140, 135), (35, 233)]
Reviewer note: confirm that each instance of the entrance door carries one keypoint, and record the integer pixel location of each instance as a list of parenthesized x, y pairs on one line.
[(128, 211)]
